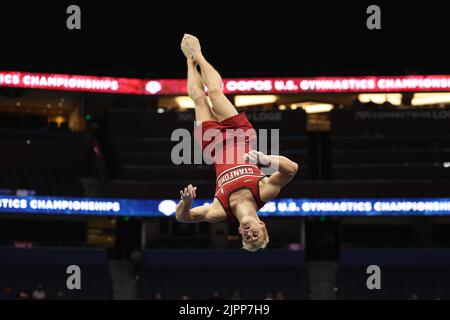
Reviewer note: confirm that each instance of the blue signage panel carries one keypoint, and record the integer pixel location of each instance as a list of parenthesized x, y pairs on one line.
[(278, 207)]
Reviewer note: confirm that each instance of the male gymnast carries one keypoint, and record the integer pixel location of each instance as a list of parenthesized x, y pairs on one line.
[(241, 187)]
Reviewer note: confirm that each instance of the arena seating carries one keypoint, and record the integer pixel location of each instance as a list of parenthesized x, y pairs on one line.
[(366, 148), (29, 122), (404, 273), (28, 267), (60, 159), (58, 232), (199, 273), (390, 145)]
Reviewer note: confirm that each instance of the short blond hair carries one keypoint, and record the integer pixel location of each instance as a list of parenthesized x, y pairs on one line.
[(261, 243)]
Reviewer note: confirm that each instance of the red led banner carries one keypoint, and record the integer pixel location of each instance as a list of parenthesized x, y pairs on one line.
[(231, 86)]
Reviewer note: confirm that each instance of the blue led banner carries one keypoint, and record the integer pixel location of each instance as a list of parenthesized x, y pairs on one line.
[(279, 207)]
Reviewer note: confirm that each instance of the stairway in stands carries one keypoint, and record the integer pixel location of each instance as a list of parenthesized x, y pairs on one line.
[(124, 284), (322, 279)]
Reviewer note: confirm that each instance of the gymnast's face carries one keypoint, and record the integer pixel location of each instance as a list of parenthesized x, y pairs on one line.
[(251, 230)]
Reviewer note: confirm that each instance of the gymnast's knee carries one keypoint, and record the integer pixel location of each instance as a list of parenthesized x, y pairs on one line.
[(215, 91), (196, 94)]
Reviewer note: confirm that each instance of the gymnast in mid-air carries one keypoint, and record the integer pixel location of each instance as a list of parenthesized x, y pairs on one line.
[(241, 186)]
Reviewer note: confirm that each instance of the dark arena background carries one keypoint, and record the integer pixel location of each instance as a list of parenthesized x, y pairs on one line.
[(88, 189)]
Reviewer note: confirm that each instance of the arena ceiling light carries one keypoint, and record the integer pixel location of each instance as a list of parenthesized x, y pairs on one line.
[(253, 100), (315, 107), (393, 98), (184, 102), (420, 99)]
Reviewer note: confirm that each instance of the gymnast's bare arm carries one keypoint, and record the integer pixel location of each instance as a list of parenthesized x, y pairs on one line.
[(286, 170), (185, 213)]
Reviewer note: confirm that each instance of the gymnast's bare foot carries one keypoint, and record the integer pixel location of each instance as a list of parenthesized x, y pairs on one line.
[(185, 48), (191, 47)]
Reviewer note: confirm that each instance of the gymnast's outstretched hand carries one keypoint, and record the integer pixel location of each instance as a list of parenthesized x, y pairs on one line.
[(188, 194)]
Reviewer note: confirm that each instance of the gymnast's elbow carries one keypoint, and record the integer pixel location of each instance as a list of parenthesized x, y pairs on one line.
[(293, 168)]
